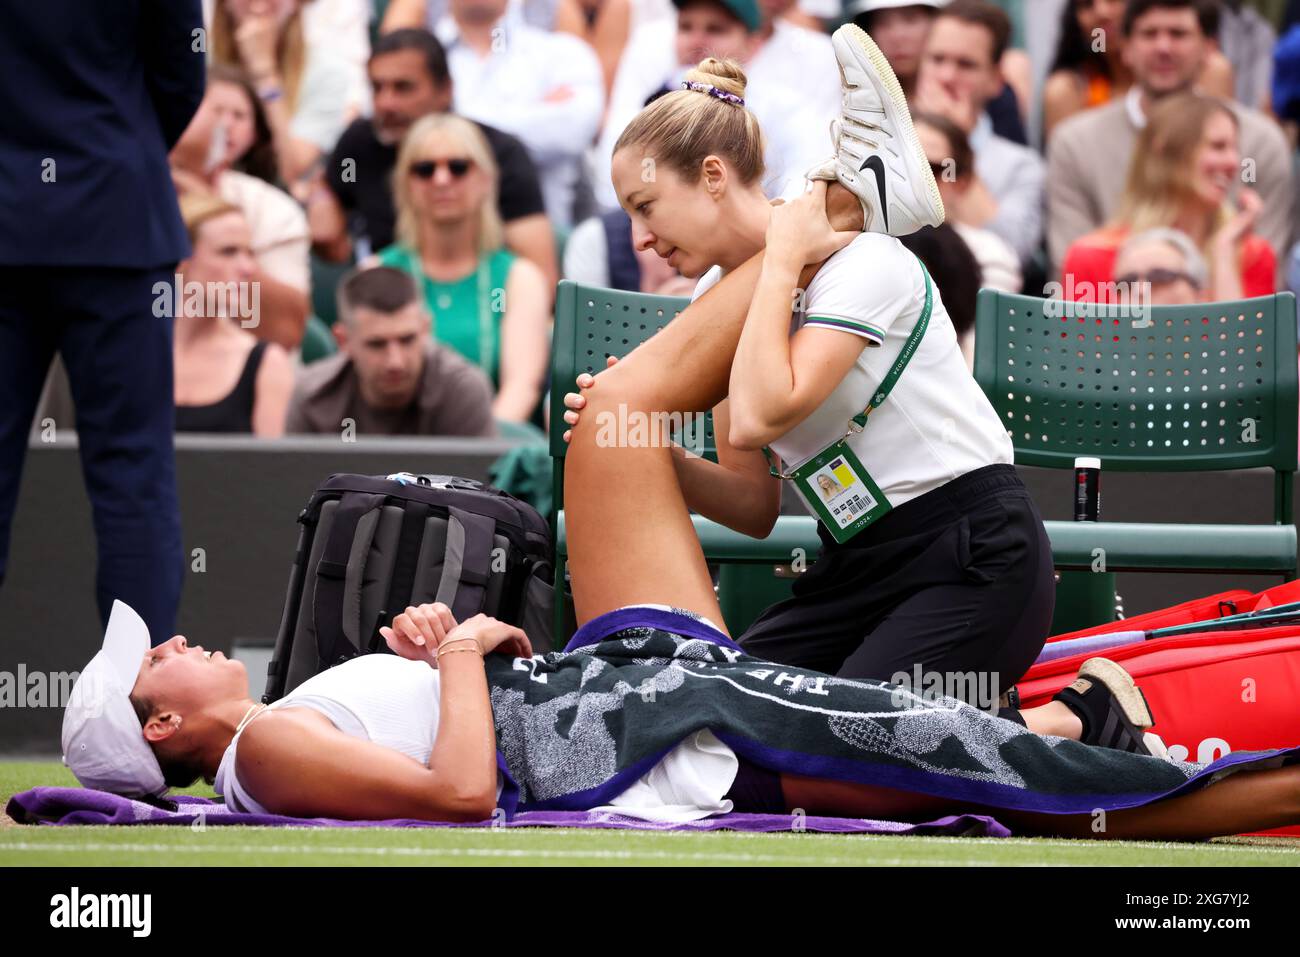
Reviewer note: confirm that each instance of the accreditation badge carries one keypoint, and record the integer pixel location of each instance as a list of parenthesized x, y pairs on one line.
[(840, 491)]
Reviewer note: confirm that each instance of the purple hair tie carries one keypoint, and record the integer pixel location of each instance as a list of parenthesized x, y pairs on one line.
[(712, 90)]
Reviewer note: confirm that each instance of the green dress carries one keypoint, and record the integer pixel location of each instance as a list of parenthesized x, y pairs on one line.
[(467, 312)]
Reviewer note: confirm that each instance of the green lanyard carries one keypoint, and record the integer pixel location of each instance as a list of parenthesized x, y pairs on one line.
[(486, 359), (859, 421)]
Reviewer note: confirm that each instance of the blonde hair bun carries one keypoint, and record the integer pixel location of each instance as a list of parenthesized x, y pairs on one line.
[(726, 75)]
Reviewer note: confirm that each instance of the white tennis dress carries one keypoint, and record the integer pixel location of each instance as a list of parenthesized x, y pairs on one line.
[(394, 702)]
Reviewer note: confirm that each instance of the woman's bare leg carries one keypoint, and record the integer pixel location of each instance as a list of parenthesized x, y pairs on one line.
[(1245, 801), (630, 535)]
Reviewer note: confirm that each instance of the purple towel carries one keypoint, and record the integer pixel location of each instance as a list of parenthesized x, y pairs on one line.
[(51, 805)]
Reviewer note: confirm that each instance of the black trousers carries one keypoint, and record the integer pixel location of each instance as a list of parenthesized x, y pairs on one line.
[(118, 354), (953, 589)]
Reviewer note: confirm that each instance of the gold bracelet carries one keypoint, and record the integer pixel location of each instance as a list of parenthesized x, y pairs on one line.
[(452, 641), (478, 651), (455, 641)]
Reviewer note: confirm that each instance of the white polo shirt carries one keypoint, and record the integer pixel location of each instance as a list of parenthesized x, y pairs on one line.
[(937, 423)]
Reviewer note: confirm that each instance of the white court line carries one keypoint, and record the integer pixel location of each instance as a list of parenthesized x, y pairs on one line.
[(930, 839), (484, 852), (1019, 840)]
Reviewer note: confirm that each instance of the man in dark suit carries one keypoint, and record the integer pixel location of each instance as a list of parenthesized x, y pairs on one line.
[(92, 97)]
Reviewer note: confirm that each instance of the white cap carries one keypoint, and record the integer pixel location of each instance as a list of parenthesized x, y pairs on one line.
[(853, 7), (103, 742), (1087, 462)]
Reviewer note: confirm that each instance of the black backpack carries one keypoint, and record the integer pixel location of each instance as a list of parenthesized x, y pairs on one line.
[(370, 546)]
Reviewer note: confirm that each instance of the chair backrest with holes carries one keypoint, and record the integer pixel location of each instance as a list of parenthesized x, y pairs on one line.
[(592, 322), (1204, 387)]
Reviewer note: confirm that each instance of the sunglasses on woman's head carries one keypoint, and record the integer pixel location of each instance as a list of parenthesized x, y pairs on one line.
[(426, 169)]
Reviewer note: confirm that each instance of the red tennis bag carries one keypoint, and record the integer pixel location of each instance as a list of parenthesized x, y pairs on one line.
[(1211, 692)]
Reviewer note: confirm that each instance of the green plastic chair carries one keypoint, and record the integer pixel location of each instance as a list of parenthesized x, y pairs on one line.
[(317, 341), (1207, 387), (325, 278), (591, 323)]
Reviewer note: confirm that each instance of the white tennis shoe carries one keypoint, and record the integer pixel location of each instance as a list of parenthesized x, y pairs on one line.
[(878, 157)]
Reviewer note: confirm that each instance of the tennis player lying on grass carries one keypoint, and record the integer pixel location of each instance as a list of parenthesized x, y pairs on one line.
[(653, 710), (419, 735)]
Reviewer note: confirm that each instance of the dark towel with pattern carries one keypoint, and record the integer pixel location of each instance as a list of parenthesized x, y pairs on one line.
[(575, 728)]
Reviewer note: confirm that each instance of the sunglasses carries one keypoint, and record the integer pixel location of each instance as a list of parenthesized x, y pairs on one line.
[(426, 169), (1158, 277)]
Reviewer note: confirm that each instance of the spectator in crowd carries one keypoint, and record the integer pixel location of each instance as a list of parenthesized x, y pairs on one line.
[(956, 275), (604, 24), (791, 51), (1090, 69), (1018, 72), (1167, 263), (202, 163), (822, 15), (1166, 43), (340, 31), (303, 90), (409, 78), (959, 75), (546, 88), (389, 377), (953, 163), (249, 144), (1247, 41), (900, 28), (794, 56), (89, 231), (488, 304), (1184, 174), (797, 135), (542, 14), (213, 349), (1285, 92)]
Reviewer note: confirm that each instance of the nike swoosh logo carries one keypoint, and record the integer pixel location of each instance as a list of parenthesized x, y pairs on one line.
[(874, 164)]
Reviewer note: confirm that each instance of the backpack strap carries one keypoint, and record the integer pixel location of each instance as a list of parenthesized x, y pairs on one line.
[(332, 645), (467, 563), (414, 516)]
